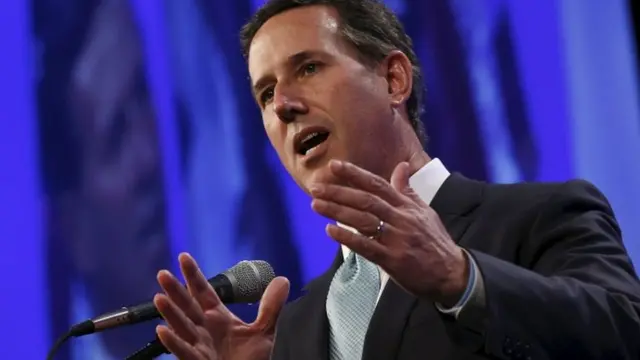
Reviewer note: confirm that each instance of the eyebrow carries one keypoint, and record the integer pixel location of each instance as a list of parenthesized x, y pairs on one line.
[(292, 61)]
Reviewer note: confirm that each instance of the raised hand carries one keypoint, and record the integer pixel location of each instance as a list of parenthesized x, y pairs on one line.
[(201, 327), (412, 245)]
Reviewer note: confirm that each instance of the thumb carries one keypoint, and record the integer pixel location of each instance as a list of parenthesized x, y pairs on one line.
[(400, 180), (272, 302), (400, 177)]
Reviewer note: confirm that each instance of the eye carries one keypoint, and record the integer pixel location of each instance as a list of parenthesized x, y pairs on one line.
[(266, 96), (309, 68)]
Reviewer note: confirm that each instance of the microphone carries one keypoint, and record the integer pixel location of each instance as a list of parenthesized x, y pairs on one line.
[(155, 348), (243, 283)]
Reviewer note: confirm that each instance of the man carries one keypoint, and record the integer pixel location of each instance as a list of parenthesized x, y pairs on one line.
[(525, 271)]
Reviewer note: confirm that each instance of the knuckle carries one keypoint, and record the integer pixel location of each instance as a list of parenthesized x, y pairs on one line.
[(335, 209), (388, 211), (414, 215), (376, 183), (370, 224), (368, 202), (329, 191)]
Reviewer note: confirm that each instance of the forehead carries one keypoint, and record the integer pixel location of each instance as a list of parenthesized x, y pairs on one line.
[(307, 28)]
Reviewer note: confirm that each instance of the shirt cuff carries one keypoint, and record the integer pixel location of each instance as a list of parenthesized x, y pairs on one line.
[(469, 292)]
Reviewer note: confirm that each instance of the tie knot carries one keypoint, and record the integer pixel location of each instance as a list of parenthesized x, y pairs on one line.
[(355, 266)]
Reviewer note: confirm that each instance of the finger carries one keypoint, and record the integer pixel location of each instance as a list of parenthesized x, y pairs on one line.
[(364, 222), (180, 296), (176, 318), (371, 249), (197, 283), (400, 181), (356, 199), (177, 346), (367, 181), (272, 302)]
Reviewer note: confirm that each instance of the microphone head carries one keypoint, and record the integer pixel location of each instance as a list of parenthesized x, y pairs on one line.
[(249, 279)]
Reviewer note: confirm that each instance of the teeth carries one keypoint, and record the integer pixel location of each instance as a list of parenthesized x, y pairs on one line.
[(304, 142), (310, 136)]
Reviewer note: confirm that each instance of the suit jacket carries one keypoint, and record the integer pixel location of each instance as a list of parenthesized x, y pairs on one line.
[(558, 284)]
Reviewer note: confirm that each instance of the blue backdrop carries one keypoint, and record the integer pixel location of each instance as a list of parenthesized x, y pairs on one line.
[(129, 134)]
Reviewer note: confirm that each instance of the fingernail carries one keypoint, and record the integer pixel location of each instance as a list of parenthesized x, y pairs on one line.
[(328, 228), (318, 205)]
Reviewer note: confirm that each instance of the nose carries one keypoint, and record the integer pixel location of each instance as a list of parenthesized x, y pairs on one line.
[(287, 105)]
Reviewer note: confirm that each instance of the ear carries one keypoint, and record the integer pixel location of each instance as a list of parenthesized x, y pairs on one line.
[(399, 77)]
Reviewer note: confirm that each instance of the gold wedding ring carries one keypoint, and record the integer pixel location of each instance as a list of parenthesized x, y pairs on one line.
[(379, 230)]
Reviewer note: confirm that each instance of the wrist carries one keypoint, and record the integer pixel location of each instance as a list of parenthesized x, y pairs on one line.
[(457, 281)]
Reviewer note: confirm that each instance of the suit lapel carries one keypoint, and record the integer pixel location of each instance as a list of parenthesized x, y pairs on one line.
[(458, 196), (310, 317), (386, 327), (454, 202)]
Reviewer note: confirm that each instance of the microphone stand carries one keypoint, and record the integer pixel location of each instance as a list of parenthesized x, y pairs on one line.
[(152, 350)]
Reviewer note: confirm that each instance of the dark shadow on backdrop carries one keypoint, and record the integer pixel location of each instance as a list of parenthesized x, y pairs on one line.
[(97, 232), (59, 29), (450, 115), (513, 100)]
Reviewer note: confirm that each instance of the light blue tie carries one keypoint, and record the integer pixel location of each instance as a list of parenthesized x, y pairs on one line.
[(350, 304)]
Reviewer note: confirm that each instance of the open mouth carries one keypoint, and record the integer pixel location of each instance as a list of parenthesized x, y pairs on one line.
[(308, 140)]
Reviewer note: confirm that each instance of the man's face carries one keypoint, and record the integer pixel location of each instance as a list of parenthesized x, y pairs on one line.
[(318, 100)]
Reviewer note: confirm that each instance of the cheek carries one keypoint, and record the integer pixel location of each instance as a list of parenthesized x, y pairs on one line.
[(276, 133), (360, 126), (358, 98)]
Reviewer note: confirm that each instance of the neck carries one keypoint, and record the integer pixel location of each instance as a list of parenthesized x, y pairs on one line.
[(410, 148)]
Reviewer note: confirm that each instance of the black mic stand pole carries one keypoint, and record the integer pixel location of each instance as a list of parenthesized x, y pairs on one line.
[(152, 350)]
